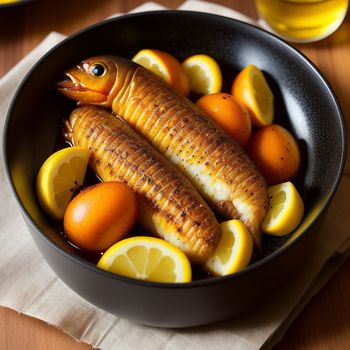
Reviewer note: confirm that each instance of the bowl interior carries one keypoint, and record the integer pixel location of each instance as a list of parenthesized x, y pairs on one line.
[(304, 104)]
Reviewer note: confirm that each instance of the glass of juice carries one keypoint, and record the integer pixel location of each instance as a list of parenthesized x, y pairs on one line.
[(302, 20)]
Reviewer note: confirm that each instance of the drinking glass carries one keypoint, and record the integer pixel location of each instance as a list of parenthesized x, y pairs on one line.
[(302, 20)]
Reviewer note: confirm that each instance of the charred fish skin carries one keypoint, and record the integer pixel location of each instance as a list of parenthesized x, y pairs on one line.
[(170, 207), (213, 161), (215, 164)]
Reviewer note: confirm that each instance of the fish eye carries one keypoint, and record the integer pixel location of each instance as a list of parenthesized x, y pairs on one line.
[(98, 69)]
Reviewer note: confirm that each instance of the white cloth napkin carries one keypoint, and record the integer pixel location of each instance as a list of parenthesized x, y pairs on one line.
[(29, 286)]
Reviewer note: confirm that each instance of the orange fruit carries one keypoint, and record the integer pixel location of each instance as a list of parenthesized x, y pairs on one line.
[(250, 88), (229, 114), (275, 152), (100, 215), (166, 67)]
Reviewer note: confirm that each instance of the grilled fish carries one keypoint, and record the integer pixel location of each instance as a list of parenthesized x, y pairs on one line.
[(211, 160), (169, 205)]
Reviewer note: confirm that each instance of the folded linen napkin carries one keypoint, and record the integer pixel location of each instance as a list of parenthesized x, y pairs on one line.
[(29, 286)]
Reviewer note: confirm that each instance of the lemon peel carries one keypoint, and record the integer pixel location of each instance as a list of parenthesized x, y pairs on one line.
[(286, 210), (234, 250), (147, 258), (58, 179), (204, 74)]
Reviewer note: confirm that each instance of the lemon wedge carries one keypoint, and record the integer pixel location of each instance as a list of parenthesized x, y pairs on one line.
[(166, 67), (234, 250), (251, 88), (147, 258), (59, 177), (204, 74), (286, 210)]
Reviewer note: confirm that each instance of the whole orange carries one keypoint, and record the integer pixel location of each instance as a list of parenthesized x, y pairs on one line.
[(100, 215), (229, 114), (275, 152)]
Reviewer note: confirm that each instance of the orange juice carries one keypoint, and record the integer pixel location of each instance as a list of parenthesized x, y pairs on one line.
[(302, 20)]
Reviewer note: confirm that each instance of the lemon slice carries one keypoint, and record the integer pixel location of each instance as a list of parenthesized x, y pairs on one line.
[(147, 258), (286, 210), (234, 250), (251, 88), (166, 67), (59, 177), (204, 74)]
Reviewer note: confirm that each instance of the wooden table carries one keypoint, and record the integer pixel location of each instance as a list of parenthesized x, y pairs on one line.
[(325, 321)]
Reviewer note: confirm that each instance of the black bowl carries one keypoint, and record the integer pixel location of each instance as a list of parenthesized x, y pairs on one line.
[(305, 104)]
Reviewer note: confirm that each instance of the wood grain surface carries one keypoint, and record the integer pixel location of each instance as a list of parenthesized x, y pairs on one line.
[(325, 321)]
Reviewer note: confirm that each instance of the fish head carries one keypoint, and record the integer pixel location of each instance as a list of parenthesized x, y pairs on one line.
[(90, 81)]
